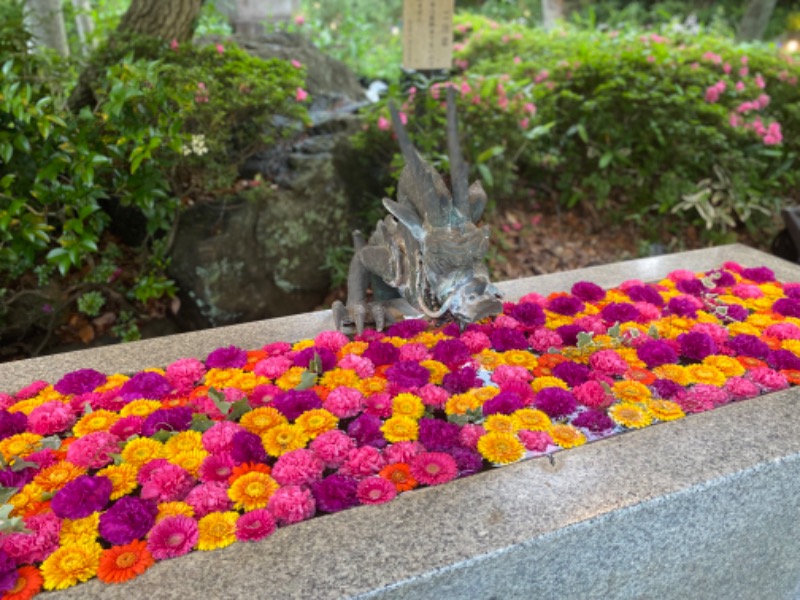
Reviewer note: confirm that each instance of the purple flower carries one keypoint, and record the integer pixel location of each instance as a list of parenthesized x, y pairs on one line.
[(722, 278), (305, 356), (408, 328), (644, 293), (758, 274), (294, 403), (169, 419), (365, 429), (128, 519), (80, 382), (408, 374), (696, 345), (693, 287), (227, 358), (748, 345), (127, 426), (529, 314), (619, 312), (788, 307), (792, 292), (8, 572), (150, 385), (17, 479), (569, 334), (783, 359), (462, 380), (12, 423), (505, 338), (566, 305), (247, 447), (667, 388), (334, 493), (81, 497), (503, 403), (451, 353), (438, 435), (594, 420), (555, 402), (381, 353), (452, 330), (588, 291), (655, 353), (682, 306), (571, 372), (736, 312), (469, 461)]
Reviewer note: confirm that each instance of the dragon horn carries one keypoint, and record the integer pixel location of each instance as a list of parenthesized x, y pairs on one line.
[(411, 156), (458, 168)]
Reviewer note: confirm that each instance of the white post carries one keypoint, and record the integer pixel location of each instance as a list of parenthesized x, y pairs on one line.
[(83, 22), (46, 22)]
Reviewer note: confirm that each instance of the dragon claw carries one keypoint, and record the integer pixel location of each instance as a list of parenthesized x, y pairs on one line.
[(358, 315)]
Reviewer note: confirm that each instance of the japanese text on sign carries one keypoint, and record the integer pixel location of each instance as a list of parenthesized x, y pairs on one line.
[(427, 34)]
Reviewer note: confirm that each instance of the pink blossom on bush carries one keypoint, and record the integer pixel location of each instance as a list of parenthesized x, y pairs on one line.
[(739, 86), (760, 83), (300, 94)]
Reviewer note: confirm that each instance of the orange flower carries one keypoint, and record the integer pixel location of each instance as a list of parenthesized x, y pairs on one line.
[(248, 467), (400, 475), (792, 376), (29, 583), (641, 375), (549, 361), (123, 563), (748, 362)]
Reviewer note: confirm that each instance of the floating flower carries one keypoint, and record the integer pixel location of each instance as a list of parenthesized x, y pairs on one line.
[(284, 438), (664, 410), (433, 468), (335, 493), (400, 429), (70, 564), (501, 448), (567, 436), (292, 504), (630, 415), (29, 583), (209, 497), (555, 402), (122, 563), (375, 490), (217, 530), (173, 536), (535, 441), (128, 519), (399, 475), (81, 497)]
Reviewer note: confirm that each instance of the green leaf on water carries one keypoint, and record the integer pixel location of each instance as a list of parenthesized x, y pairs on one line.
[(201, 423), (162, 435), (239, 408), (307, 380), (219, 400)]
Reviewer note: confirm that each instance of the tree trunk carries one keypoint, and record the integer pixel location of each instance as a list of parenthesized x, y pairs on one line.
[(46, 22), (166, 20), (754, 22), (83, 23), (552, 12)]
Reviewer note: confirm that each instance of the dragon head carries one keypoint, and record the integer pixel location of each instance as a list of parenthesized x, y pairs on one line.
[(472, 298)]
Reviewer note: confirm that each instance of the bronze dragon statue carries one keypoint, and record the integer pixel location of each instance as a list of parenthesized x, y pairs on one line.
[(428, 250)]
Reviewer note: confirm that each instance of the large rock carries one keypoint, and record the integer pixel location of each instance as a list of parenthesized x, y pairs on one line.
[(261, 253)]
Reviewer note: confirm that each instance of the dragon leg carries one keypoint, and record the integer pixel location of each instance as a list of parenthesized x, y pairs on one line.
[(357, 311)]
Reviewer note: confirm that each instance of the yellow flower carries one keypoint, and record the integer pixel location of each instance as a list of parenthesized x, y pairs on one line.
[(141, 451), (260, 420), (290, 379), (771, 290), (792, 346), (185, 441), (99, 420), (727, 365), (26, 406), (567, 436), (707, 374), (482, 394), (29, 493), (82, 532), (247, 382), (676, 373), (123, 479), (217, 530), (760, 320), (400, 429), (21, 445), (490, 360), (113, 382), (427, 338), (284, 438), (532, 419), (547, 381), (408, 405), (302, 345), (501, 423), (371, 385), (459, 404), (555, 320), (630, 357), (764, 303), (739, 328), (630, 415), (437, 370), (664, 410), (520, 358), (221, 378), (70, 564), (252, 490), (500, 448), (339, 378), (140, 408), (171, 509), (356, 348), (397, 342), (191, 460), (706, 317), (56, 476), (317, 421)]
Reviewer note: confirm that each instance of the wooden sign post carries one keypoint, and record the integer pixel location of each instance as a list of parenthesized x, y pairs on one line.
[(427, 34)]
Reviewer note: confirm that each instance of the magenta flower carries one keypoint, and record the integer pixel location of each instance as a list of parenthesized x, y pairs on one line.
[(438, 435), (168, 419), (216, 467), (335, 493), (255, 525), (462, 380), (375, 490), (304, 357), (619, 312), (682, 306), (692, 287), (219, 438), (788, 307), (332, 447), (595, 421), (408, 328), (209, 497), (247, 447), (783, 359), (504, 339), (365, 430), (128, 519), (504, 403), (571, 372), (696, 345), (588, 291), (94, 450), (758, 274), (127, 426), (645, 293), (409, 374), (566, 305), (452, 353), (569, 334), (227, 358), (363, 462), (152, 386), (433, 468), (748, 345), (8, 570), (294, 403), (654, 353), (81, 497), (381, 353), (535, 441), (80, 382), (12, 423), (172, 536), (556, 402), (528, 314), (298, 467), (165, 482), (667, 389)]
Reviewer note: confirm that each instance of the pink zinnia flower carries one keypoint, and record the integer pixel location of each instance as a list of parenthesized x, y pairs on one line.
[(363, 462), (744, 72), (768, 379), (543, 339), (297, 467), (593, 395), (433, 395), (726, 68), (535, 441), (94, 450), (470, 434), (183, 373), (300, 94), (402, 452), (344, 402), (379, 405), (296, 63), (504, 373), (255, 525), (262, 395), (433, 468), (384, 124), (174, 44), (220, 437), (272, 367), (760, 83), (332, 447), (292, 504), (375, 490), (172, 536), (608, 362), (29, 391), (166, 483), (741, 389), (50, 417), (740, 86), (362, 366), (216, 467), (220, 48), (209, 497)]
